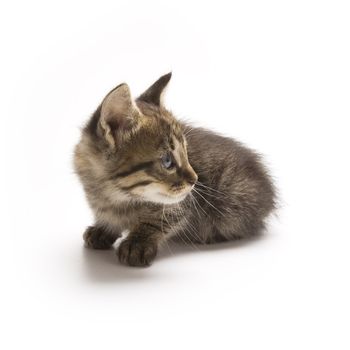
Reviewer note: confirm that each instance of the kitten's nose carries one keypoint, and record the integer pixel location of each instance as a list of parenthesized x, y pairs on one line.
[(191, 177), (192, 181)]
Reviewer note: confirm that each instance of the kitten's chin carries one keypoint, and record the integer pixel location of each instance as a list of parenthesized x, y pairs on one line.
[(162, 198)]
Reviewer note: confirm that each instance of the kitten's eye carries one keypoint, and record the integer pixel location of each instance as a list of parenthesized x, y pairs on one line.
[(167, 161)]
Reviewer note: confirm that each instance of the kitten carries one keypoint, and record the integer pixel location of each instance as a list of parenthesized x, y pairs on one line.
[(146, 172)]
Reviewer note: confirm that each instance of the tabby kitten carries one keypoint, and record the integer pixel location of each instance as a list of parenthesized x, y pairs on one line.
[(145, 172)]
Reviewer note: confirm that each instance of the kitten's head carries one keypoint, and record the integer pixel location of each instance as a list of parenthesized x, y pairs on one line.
[(135, 149)]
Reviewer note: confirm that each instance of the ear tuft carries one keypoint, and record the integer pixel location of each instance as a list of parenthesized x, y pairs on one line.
[(154, 93)]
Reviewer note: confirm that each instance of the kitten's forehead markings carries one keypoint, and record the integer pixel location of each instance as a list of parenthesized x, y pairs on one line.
[(185, 142), (177, 151)]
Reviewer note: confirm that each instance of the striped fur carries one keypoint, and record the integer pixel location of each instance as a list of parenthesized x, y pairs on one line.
[(216, 190)]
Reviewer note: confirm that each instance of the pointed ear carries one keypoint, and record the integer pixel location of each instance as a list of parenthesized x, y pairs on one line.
[(154, 93), (119, 115)]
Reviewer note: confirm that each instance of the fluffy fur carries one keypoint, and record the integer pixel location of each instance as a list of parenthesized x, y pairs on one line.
[(215, 190)]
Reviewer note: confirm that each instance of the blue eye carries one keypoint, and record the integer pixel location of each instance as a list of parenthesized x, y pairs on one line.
[(167, 161)]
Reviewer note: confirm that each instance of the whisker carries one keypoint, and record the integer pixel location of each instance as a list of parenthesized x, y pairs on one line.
[(225, 208), (194, 204), (187, 132), (179, 224), (192, 230), (202, 190), (209, 203), (183, 228), (210, 188), (186, 219), (223, 193), (200, 207)]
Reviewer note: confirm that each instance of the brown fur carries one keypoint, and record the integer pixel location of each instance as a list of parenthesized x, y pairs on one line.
[(118, 160)]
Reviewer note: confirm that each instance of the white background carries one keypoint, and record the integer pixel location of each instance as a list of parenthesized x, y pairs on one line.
[(275, 75)]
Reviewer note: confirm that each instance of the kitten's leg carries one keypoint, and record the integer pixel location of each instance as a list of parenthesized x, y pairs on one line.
[(141, 246), (97, 237)]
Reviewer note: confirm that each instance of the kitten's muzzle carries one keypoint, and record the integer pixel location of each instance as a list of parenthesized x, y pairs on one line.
[(193, 181), (190, 176)]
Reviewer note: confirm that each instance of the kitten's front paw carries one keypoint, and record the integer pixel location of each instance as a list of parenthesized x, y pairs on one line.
[(137, 253), (97, 238)]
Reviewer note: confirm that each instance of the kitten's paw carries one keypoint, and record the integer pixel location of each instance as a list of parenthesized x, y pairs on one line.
[(137, 253), (96, 238)]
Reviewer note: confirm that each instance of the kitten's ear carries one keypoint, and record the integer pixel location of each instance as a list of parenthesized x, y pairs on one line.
[(154, 93), (119, 115)]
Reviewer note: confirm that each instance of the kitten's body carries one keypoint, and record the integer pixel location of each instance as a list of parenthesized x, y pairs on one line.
[(231, 198)]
